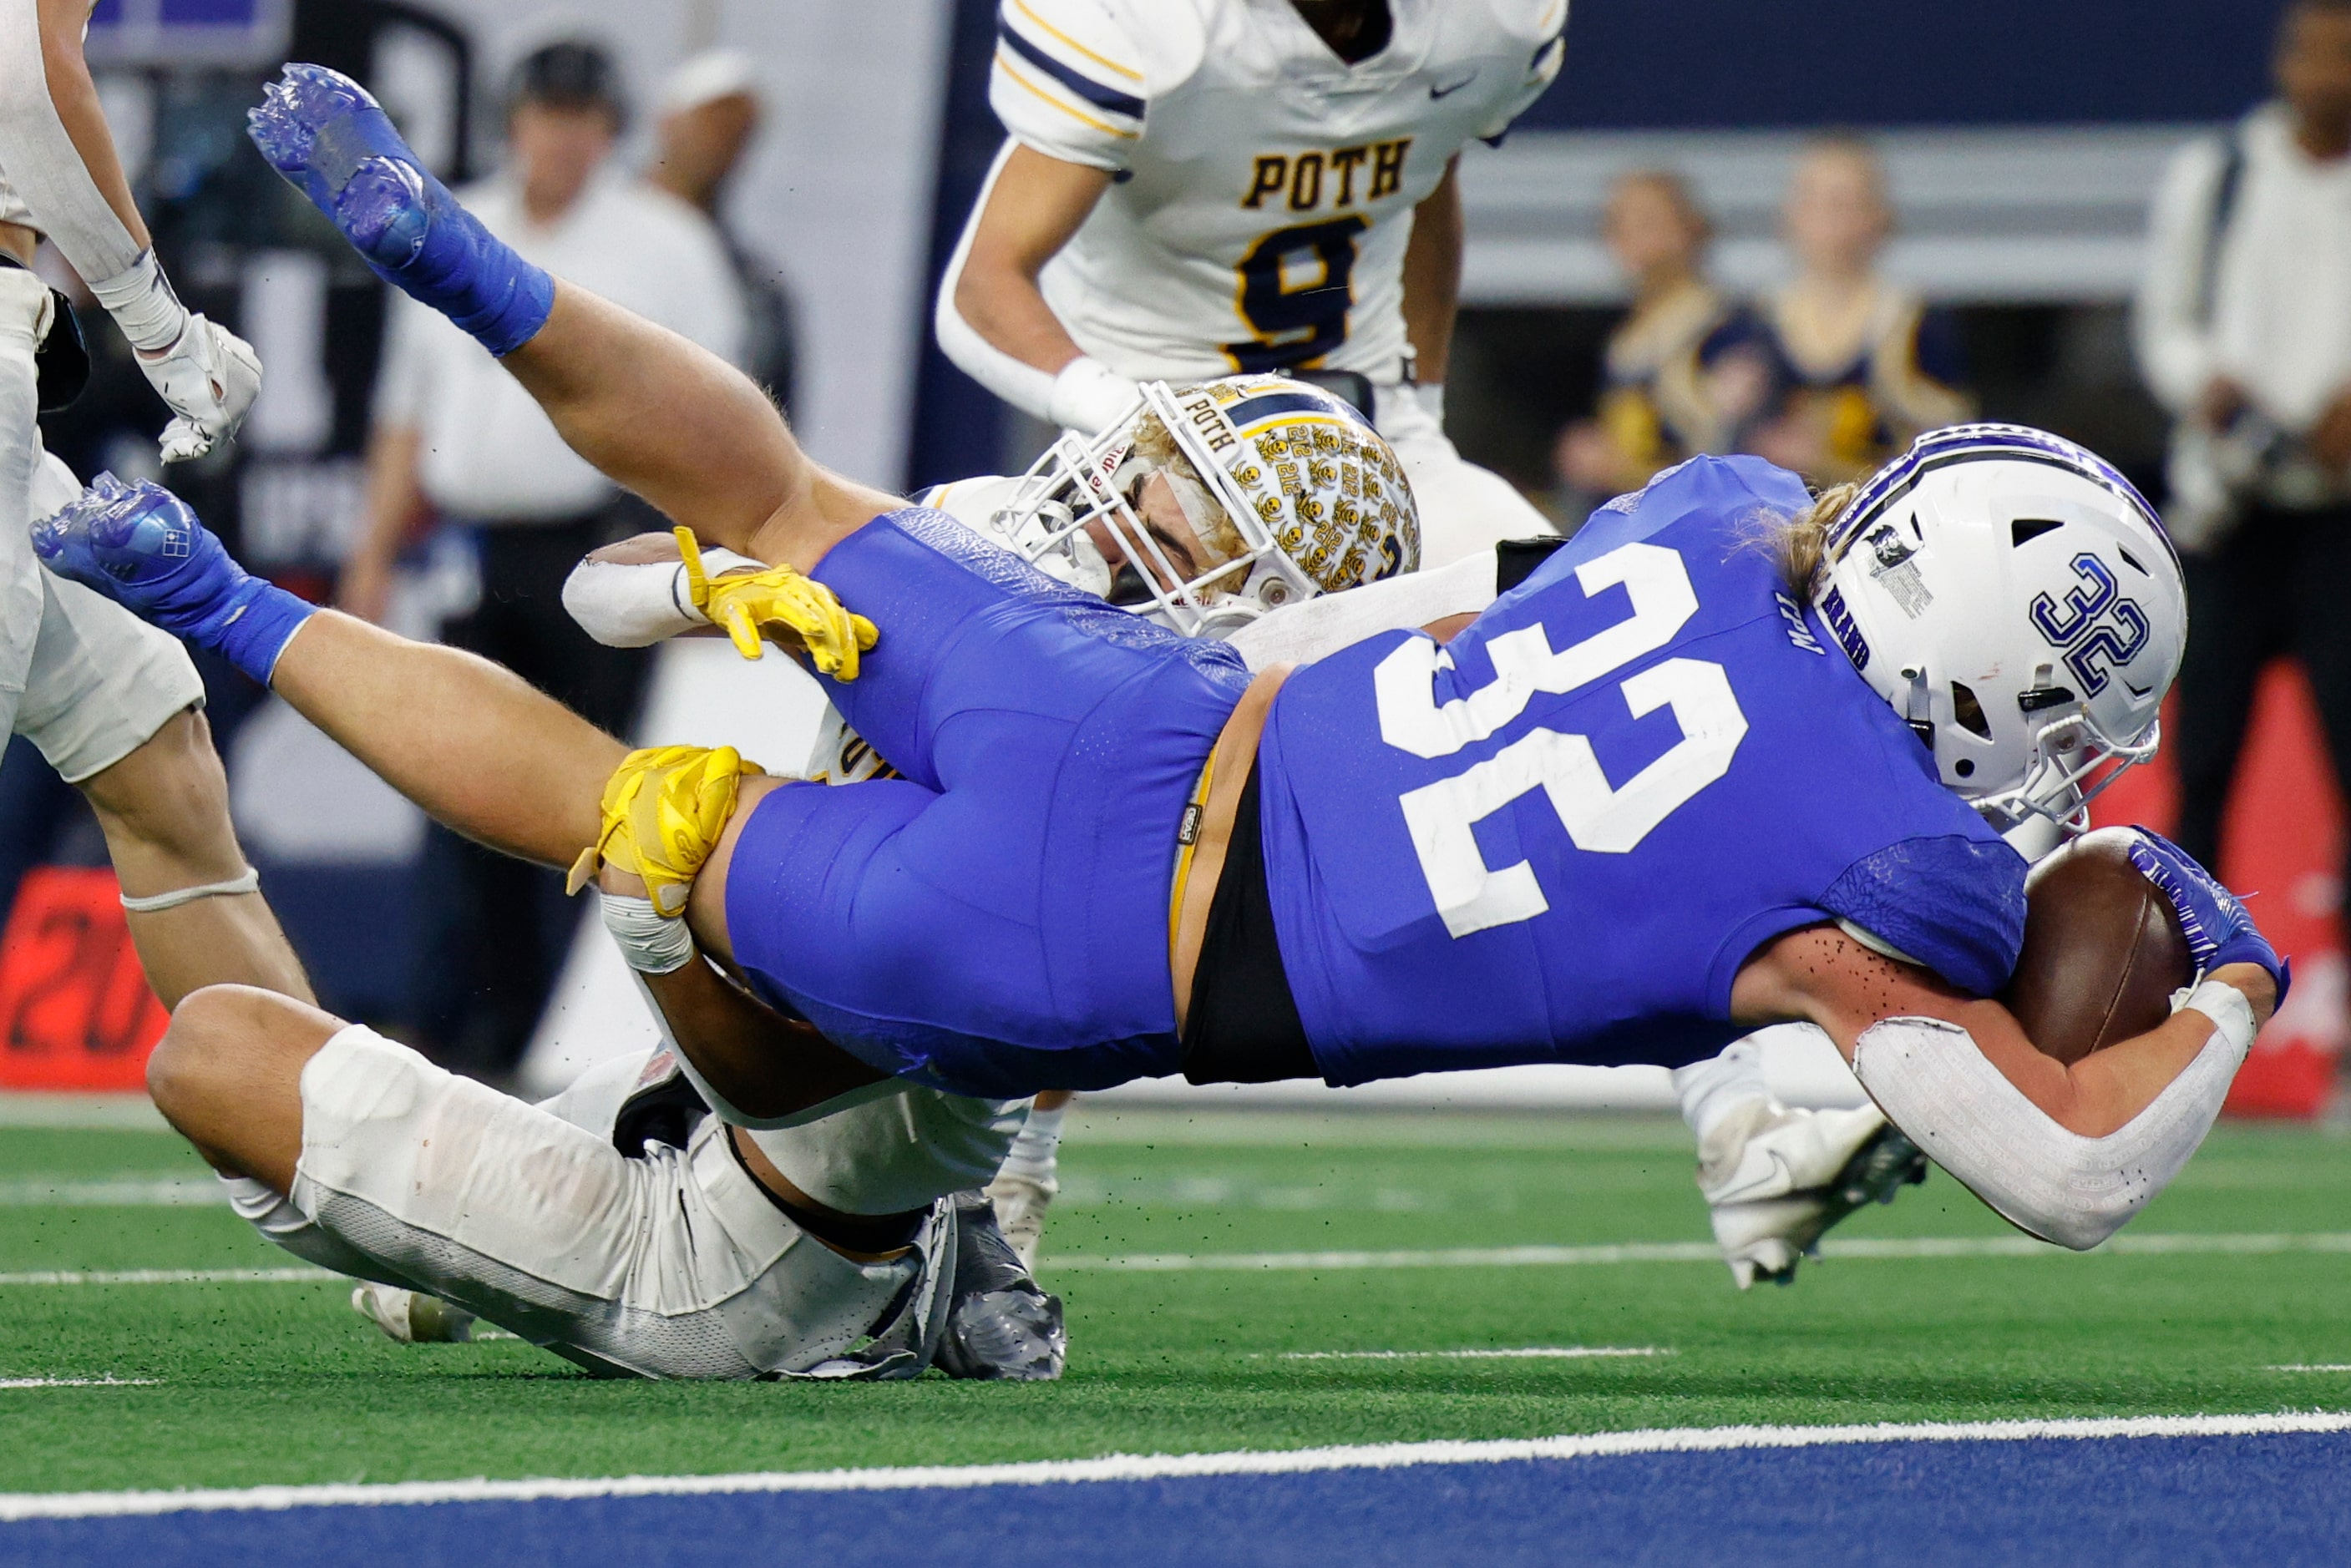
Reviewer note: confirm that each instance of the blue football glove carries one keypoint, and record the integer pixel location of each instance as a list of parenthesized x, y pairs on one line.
[(2219, 929), (331, 140), (140, 547)]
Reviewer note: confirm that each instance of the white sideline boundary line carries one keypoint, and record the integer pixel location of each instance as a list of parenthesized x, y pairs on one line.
[(20, 1506), (79, 1382)]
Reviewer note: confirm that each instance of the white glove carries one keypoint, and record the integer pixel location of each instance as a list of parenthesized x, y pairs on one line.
[(207, 373), (1089, 397), (210, 378)]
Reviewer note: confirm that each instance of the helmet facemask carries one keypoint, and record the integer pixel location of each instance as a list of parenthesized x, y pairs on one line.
[(1100, 513)]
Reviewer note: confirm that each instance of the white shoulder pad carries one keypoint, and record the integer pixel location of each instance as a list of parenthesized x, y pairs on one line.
[(1931, 1080), (1069, 80), (974, 503), (1314, 628)]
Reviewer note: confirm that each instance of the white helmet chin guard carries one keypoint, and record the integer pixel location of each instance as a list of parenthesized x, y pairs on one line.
[(2019, 603), (1287, 489)]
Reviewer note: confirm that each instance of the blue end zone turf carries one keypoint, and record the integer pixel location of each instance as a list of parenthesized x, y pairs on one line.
[(2273, 1499)]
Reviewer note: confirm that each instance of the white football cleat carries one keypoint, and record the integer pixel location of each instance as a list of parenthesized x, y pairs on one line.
[(1020, 1203), (411, 1318), (1775, 1180)]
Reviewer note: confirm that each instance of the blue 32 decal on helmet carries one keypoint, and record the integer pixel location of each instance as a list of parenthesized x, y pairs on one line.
[(2017, 602), (2093, 647)]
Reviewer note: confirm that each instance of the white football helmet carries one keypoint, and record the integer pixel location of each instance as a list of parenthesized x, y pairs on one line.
[(2017, 600), (1287, 489)]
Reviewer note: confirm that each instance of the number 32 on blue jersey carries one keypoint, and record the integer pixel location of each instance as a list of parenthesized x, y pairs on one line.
[(1601, 818)]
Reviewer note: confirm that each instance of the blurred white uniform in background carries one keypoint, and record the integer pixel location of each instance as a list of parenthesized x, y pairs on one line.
[(488, 454), (1262, 200)]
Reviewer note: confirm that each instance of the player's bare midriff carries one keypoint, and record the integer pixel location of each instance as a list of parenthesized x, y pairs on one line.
[(1229, 766)]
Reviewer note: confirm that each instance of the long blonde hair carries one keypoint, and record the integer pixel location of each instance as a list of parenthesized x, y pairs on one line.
[(1801, 543)]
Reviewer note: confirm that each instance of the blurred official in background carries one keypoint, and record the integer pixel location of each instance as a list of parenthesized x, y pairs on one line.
[(1864, 365), (458, 444), (2244, 330), (709, 118), (1686, 369)]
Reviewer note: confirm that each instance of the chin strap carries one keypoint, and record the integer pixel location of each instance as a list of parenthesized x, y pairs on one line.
[(154, 903)]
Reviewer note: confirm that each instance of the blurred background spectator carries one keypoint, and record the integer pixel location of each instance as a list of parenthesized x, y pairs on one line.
[(2244, 328), (458, 449), (1685, 371), (709, 115), (1864, 364)]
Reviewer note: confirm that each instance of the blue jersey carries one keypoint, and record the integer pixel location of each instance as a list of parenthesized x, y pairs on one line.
[(1558, 837)]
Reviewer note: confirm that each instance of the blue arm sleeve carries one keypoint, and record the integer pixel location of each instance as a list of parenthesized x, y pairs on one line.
[(1954, 903)]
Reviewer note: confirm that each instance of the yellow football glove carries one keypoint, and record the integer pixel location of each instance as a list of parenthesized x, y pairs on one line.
[(780, 595), (663, 810)]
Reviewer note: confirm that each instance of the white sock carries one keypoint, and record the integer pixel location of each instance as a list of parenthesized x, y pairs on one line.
[(1710, 1090), (1037, 1152), (275, 1216)]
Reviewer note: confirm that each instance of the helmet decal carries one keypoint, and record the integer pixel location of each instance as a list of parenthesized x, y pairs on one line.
[(2015, 600)]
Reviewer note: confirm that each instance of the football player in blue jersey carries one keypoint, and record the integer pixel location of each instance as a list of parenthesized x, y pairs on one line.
[(1733, 755)]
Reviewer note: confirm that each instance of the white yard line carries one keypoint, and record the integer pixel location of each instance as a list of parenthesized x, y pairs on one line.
[(168, 1277), (1157, 1467), (1532, 1352), (2312, 1366), (78, 1382), (1694, 1253), (113, 1192), (2153, 1245)]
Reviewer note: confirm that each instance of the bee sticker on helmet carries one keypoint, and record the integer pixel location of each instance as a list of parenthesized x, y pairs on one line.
[(1896, 570)]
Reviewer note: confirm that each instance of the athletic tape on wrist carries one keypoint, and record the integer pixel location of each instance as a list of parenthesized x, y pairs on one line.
[(140, 300), (152, 903), (651, 942), (1089, 397)]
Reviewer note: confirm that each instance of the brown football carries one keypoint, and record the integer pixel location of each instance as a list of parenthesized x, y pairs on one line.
[(2103, 951)]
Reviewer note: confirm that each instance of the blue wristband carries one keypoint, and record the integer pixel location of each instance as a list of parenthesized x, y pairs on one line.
[(251, 630)]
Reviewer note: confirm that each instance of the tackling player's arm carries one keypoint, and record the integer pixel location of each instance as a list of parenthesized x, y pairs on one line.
[(766, 1065)]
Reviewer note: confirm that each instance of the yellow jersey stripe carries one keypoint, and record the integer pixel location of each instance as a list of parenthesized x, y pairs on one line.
[(1004, 64), (1107, 64)]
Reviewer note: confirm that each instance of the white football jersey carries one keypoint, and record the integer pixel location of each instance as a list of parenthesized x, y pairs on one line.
[(1263, 188)]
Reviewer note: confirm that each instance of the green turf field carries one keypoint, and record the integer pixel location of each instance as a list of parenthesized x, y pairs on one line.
[(236, 1383)]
